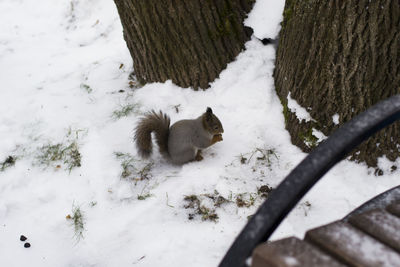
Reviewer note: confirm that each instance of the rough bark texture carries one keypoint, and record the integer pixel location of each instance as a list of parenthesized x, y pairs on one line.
[(339, 57), (187, 41)]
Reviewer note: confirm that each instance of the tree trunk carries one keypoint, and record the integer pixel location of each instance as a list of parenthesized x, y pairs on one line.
[(187, 41), (337, 58)]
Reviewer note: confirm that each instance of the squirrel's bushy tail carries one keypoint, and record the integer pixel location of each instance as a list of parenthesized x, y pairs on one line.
[(157, 122)]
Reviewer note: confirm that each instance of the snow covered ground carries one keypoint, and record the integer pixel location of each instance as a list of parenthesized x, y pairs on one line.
[(70, 178)]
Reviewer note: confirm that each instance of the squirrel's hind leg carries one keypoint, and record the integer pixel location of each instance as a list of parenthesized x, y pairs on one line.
[(198, 157), (183, 156)]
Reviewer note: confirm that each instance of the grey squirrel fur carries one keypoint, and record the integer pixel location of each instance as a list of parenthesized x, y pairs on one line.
[(183, 141)]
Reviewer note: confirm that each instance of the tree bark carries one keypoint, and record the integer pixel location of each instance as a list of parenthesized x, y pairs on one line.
[(187, 41), (339, 57)]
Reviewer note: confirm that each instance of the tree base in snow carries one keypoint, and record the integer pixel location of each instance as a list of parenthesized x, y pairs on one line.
[(336, 59)]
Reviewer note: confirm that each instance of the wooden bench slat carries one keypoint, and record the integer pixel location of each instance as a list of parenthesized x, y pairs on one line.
[(352, 245), (380, 224), (291, 252), (394, 209)]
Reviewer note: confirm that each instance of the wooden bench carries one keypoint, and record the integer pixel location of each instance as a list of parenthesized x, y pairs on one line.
[(369, 236)]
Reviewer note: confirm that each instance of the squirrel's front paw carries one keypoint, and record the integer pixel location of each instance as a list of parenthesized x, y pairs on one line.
[(217, 138)]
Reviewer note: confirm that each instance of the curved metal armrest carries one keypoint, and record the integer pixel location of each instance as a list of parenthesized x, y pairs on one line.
[(282, 200)]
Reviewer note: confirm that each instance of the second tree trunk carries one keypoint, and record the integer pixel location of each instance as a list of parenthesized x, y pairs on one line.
[(336, 59)]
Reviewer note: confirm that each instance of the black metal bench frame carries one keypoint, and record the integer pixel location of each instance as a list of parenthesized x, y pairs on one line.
[(283, 199)]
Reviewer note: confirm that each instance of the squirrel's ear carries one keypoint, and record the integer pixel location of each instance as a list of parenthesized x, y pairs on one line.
[(208, 114)]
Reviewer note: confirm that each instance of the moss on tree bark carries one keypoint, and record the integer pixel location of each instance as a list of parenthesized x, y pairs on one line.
[(340, 57)]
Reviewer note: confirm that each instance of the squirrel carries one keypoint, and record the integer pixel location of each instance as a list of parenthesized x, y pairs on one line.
[(183, 141)]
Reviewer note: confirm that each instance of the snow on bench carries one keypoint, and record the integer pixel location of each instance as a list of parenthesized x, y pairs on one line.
[(370, 238)]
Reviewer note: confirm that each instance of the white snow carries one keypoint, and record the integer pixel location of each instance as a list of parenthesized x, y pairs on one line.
[(335, 119), (64, 70), (265, 18), (300, 112), (291, 261), (319, 135)]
